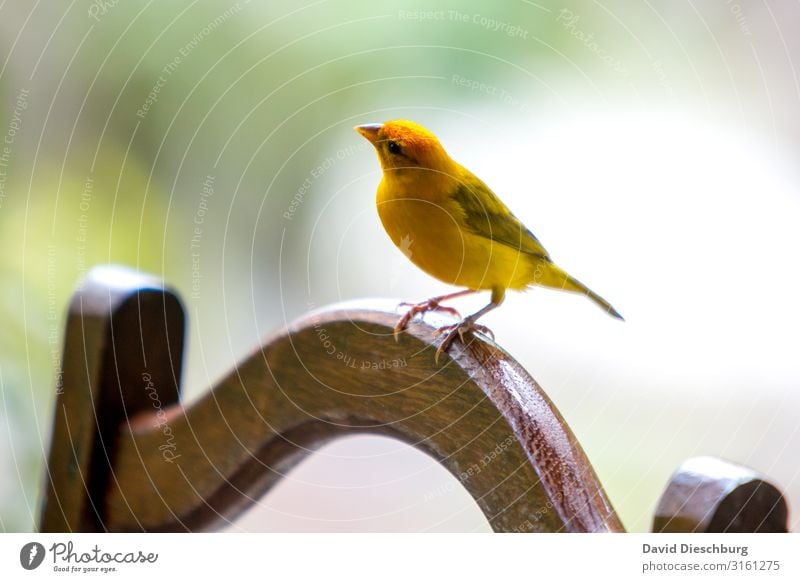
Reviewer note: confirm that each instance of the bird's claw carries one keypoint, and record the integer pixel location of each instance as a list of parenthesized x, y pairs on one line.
[(460, 330), (417, 308)]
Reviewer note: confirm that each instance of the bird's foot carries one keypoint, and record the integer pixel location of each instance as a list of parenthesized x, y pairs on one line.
[(459, 330), (422, 307)]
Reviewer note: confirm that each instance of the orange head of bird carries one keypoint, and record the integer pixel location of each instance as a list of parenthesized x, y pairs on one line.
[(404, 146)]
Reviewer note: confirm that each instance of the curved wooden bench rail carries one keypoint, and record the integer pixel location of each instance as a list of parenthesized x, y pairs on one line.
[(127, 456)]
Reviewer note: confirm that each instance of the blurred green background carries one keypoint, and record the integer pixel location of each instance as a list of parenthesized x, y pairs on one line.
[(652, 147)]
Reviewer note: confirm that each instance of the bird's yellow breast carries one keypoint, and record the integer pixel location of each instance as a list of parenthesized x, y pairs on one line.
[(429, 229)]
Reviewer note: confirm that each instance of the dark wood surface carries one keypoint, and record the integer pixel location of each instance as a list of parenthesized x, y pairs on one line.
[(126, 455), (339, 371), (711, 495), (121, 323)]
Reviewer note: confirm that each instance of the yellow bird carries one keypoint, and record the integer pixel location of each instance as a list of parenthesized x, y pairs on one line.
[(452, 226)]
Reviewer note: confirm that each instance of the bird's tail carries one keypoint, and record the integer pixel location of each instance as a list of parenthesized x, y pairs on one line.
[(572, 284)]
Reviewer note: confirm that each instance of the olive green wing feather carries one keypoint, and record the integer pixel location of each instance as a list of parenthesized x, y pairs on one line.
[(485, 215)]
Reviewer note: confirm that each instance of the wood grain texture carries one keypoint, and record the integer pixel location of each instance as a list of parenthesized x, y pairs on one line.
[(339, 371), (120, 324), (126, 455)]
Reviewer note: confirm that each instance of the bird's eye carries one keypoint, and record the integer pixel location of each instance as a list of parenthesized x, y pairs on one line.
[(394, 147)]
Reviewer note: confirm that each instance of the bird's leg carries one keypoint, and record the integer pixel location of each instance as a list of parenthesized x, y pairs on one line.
[(432, 304), (468, 325)]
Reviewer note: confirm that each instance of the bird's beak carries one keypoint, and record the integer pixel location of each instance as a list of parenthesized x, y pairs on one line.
[(369, 131)]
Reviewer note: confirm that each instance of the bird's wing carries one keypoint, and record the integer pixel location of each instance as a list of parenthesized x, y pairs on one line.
[(485, 215)]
